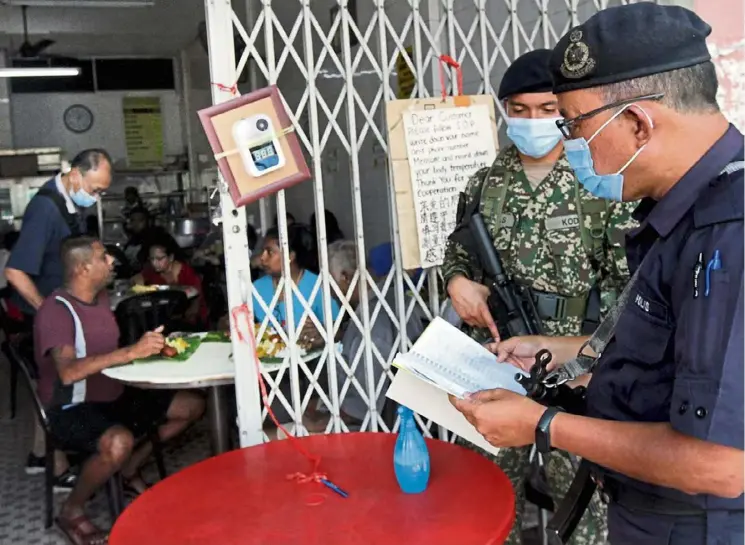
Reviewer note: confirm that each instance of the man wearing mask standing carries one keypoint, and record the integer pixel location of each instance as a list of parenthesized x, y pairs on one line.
[(35, 265), (553, 236), (663, 430)]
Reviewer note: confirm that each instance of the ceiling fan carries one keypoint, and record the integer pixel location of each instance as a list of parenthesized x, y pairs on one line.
[(28, 50)]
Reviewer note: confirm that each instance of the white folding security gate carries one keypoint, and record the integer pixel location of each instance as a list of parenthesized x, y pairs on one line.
[(336, 63)]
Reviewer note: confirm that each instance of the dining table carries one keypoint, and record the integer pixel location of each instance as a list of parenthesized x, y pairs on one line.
[(210, 367), (258, 496)]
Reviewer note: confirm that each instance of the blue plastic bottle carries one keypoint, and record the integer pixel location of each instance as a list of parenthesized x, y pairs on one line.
[(410, 456)]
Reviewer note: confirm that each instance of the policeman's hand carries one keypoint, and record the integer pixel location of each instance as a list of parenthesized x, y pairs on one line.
[(521, 351), (469, 301), (150, 344), (504, 418)]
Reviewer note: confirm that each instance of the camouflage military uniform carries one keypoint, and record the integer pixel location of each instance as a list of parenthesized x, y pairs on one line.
[(539, 239)]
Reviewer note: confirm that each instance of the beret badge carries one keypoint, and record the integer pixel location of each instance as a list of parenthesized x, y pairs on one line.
[(577, 61)]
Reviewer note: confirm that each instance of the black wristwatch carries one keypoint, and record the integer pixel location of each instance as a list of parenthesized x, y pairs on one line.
[(543, 430)]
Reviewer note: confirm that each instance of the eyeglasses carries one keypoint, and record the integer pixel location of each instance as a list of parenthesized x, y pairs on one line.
[(566, 125)]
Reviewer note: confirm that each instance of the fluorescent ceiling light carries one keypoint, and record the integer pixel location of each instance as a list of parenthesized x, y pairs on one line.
[(40, 72), (84, 3)]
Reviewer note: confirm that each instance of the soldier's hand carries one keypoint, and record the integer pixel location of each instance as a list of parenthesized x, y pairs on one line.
[(469, 301)]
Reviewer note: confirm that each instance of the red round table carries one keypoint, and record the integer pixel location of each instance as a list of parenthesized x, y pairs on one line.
[(244, 498)]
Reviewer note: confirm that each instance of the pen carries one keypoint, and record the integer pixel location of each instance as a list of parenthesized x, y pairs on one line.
[(714, 265), (335, 488), (697, 272)]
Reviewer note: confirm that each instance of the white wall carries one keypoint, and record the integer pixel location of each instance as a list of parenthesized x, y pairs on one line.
[(38, 121)]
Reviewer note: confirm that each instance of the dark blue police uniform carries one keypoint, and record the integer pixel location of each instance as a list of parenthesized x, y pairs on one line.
[(37, 253), (677, 354)]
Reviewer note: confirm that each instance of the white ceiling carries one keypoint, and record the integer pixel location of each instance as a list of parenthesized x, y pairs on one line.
[(163, 29)]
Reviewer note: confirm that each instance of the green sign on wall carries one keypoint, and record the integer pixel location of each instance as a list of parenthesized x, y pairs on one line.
[(143, 130)]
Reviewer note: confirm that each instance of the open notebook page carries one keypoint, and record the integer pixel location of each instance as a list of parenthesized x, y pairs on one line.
[(452, 361)]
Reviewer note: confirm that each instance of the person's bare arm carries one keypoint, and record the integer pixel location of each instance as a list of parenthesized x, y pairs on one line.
[(137, 280), (72, 369), (653, 453), (24, 286)]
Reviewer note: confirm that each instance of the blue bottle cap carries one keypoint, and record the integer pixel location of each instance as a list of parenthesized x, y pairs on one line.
[(404, 411)]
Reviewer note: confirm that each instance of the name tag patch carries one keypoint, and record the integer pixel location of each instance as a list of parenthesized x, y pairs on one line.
[(562, 222), (652, 308), (507, 220)]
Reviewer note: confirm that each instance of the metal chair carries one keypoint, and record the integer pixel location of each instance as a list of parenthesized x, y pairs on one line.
[(139, 314), (114, 488)]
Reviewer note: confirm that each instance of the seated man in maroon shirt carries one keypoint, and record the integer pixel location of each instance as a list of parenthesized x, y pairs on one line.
[(76, 337)]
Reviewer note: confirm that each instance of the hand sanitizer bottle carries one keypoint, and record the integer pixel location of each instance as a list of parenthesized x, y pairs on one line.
[(410, 456)]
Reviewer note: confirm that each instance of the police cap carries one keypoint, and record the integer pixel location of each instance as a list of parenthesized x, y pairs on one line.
[(628, 42), (527, 74)]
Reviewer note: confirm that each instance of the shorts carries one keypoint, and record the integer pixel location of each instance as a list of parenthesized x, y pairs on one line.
[(80, 426)]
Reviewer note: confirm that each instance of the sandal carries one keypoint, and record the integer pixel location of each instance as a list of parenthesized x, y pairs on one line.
[(73, 531)]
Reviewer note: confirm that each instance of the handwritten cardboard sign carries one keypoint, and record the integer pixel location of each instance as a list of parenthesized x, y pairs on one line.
[(435, 146)]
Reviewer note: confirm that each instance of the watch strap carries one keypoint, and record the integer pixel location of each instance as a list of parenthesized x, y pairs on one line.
[(543, 430)]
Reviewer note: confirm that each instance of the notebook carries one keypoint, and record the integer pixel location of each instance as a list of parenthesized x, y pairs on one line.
[(449, 359)]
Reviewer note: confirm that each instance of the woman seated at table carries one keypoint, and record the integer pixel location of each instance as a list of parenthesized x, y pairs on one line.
[(166, 266), (302, 256)]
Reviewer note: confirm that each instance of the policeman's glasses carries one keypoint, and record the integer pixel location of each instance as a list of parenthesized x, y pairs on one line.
[(566, 126)]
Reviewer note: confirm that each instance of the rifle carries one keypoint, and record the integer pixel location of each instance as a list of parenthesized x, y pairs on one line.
[(516, 306)]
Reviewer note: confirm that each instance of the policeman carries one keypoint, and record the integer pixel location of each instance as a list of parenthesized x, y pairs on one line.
[(664, 425), (552, 235)]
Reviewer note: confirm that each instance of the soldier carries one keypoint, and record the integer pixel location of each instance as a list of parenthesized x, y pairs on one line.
[(553, 236), (664, 423)]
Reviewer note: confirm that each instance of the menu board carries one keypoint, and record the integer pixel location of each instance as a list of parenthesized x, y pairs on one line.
[(445, 147), (143, 131), (406, 78)]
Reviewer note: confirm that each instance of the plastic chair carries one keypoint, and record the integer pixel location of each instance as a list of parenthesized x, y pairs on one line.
[(381, 258), (113, 485), (139, 314), (380, 261)]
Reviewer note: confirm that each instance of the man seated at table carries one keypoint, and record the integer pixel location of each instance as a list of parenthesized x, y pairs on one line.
[(383, 333), (76, 337)]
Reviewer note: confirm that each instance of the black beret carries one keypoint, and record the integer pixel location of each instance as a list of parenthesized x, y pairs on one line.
[(528, 73), (628, 42)]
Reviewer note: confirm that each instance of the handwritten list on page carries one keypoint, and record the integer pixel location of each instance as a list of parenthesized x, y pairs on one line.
[(445, 147)]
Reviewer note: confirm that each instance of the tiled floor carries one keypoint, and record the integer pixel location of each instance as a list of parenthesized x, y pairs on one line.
[(21, 495)]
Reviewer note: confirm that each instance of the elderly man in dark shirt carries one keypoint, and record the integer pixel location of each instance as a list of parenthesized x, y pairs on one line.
[(76, 338), (34, 268)]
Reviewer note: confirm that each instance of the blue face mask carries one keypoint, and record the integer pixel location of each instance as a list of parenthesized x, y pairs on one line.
[(604, 186), (533, 137), (82, 198)]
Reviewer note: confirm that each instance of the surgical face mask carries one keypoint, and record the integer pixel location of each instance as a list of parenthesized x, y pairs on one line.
[(604, 186), (82, 198), (533, 137)]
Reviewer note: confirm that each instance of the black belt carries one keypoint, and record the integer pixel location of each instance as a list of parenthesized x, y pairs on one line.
[(612, 490)]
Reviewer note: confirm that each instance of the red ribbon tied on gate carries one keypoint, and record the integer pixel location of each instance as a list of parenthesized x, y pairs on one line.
[(232, 89), (452, 63), (244, 312)]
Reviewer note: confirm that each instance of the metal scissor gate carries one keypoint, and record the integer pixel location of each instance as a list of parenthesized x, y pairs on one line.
[(336, 63)]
